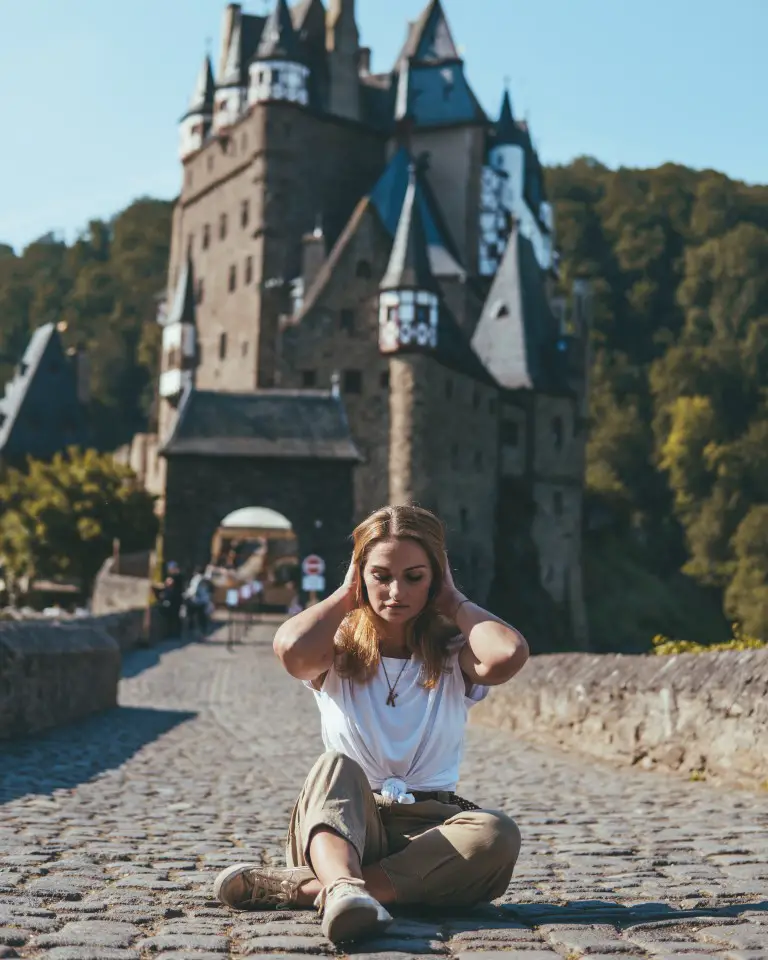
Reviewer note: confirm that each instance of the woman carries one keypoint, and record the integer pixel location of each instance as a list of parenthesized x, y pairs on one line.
[(395, 657)]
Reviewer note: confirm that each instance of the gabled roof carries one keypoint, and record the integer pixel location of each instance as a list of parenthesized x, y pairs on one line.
[(40, 413), (409, 267), (279, 40), (517, 335), (273, 424), (183, 305), (202, 98), (388, 197), (429, 39)]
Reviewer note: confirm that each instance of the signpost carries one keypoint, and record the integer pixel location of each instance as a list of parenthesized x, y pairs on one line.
[(313, 576)]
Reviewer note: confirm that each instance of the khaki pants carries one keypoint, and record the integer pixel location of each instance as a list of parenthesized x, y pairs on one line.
[(432, 852)]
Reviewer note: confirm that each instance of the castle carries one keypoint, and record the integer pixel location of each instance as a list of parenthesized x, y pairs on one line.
[(364, 305)]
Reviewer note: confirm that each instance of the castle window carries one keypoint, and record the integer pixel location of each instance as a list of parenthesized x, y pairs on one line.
[(222, 226), (308, 378), (448, 389), (464, 519), (206, 236), (557, 503), (248, 269), (510, 433), (478, 460), (244, 213), (232, 278), (363, 270), (222, 346), (347, 321), (557, 432), (200, 290), (501, 310), (190, 244), (455, 456), (275, 77), (353, 381), (384, 380)]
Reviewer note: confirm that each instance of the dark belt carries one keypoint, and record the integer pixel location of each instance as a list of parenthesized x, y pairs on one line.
[(444, 796)]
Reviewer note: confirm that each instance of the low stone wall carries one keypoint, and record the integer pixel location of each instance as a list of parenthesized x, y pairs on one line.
[(116, 592), (52, 673), (130, 628), (699, 714)]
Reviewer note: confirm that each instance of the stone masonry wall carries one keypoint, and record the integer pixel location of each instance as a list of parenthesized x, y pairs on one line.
[(697, 714), (53, 673), (117, 593)]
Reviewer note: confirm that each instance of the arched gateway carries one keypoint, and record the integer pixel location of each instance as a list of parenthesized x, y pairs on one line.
[(287, 451)]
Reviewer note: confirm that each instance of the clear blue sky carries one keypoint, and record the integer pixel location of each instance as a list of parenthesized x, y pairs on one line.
[(92, 89)]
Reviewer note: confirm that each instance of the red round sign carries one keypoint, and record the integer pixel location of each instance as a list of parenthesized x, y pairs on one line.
[(313, 565)]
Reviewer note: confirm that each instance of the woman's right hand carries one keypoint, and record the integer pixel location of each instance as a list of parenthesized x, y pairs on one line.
[(349, 586)]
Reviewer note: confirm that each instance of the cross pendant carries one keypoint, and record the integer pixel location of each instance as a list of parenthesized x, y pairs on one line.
[(391, 698)]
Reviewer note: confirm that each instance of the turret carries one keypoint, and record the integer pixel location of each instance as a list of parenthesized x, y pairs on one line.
[(196, 122), (408, 300), (507, 155), (179, 351), (276, 72), (342, 42)]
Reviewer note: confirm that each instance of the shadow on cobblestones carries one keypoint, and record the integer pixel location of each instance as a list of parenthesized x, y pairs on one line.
[(137, 661), (72, 755), (621, 915)]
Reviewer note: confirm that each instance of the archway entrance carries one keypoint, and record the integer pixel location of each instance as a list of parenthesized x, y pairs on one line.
[(255, 547)]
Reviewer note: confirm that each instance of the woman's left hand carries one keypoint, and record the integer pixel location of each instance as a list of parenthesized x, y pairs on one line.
[(450, 596)]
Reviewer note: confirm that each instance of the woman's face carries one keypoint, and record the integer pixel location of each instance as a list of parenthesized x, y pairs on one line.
[(397, 576)]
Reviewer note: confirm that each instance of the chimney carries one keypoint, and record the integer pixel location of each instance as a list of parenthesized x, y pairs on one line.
[(364, 62), (313, 256), (231, 12)]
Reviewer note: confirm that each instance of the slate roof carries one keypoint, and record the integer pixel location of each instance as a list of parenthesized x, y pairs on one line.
[(409, 267), (273, 424), (40, 413), (244, 40), (429, 39), (202, 98), (278, 39), (517, 337), (508, 131), (388, 196)]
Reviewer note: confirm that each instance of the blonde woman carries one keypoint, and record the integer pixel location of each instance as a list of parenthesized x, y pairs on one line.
[(395, 658)]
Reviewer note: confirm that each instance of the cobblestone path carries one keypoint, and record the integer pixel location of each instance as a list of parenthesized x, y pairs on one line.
[(112, 830)]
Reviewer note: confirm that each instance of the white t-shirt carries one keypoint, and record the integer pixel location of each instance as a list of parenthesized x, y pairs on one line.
[(420, 740)]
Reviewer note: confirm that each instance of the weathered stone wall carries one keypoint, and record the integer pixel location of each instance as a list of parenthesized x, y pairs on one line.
[(53, 673), (693, 713), (117, 593)]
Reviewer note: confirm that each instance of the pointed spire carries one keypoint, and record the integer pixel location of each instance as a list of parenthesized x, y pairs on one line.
[(232, 69), (431, 40), (202, 98), (508, 131), (183, 305), (279, 41), (409, 267)]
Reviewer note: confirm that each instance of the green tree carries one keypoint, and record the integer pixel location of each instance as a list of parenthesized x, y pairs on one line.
[(60, 519)]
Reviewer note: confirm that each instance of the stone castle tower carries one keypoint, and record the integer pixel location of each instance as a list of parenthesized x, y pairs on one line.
[(375, 245)]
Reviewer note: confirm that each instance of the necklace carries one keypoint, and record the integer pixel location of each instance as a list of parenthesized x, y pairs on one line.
[(392, 695)]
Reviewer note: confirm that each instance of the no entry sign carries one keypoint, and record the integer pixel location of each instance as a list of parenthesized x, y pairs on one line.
[(313, 566)]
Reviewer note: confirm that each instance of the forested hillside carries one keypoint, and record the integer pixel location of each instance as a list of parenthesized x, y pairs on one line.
[(678, 452), (104, 288)]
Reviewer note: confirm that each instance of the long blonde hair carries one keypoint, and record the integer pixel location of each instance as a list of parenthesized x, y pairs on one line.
[(428, 635)]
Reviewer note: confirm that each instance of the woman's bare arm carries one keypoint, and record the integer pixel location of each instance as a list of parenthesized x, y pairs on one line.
[(304, 643)]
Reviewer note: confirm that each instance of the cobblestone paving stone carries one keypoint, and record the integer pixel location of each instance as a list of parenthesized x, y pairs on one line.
[(111, 832)]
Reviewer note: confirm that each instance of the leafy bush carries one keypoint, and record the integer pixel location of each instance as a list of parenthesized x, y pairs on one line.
[(663, 646)]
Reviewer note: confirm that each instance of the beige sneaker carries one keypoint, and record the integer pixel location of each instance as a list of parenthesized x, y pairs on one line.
[(249, 886), (350, 912)]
